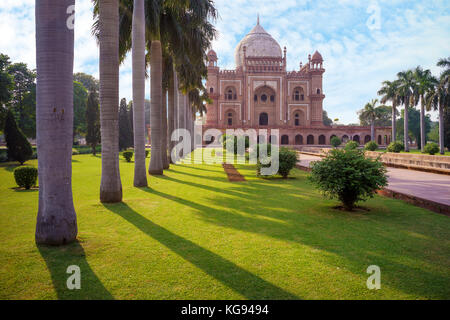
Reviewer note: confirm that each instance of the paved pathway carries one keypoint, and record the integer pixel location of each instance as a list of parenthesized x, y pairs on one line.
[(431, 186)]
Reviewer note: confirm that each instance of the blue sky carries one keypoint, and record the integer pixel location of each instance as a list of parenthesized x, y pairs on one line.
[(362, 42)]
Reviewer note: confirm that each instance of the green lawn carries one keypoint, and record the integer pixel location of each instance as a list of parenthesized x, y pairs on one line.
[(194, 235)]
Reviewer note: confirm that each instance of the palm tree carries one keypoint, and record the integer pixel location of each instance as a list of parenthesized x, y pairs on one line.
[(156, 164), (425, 83), (439, 99), (56, 219), (406, 90), (389, 92), (371, 113), (138, 52), (110, 186)]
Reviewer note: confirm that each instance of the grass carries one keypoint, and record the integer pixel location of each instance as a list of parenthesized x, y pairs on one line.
[(194, 235)]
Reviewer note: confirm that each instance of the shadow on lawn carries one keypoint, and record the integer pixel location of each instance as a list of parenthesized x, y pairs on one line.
[(249, 285), (59, 258), (407, 247)]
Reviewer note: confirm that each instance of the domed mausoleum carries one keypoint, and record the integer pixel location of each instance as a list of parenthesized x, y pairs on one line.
[(261, 94)]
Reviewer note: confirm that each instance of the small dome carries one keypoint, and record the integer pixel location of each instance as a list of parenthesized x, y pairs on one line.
[(317, 56), (258, 43), (212, 55)]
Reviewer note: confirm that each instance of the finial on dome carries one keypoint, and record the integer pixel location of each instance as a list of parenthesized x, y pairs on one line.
[(257, 20)]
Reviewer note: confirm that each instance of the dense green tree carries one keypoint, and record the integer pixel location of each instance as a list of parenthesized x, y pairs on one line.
[(80, 95), (384, 117), (125, 132), (93, 121), (6, 80), (433, 135), (19, 149), (89, 82), (326, 120)]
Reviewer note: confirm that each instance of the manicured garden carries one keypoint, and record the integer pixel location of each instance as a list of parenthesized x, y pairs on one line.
[(195, 235)]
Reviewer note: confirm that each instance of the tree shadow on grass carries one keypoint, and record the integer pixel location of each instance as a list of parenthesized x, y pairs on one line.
[(58, 259), (298, 214), (240, 280)]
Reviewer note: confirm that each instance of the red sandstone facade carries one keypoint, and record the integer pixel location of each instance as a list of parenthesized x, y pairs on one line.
[(261, 94)]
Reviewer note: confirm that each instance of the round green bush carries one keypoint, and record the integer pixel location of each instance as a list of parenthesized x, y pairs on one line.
[(371, 146), (335, 142), (75, 151), (351, 145), (431, 148), (128, 155), (26, 176), (395, 146), (287, 159), (347, 175)]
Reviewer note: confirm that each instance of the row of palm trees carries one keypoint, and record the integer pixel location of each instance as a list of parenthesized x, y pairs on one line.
[(176, 35), (419, 87)]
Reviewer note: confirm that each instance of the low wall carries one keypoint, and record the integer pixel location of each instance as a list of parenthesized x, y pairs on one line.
[(421, 162)]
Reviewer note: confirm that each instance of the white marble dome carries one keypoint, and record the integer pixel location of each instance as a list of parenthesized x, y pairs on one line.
[(258, 43)]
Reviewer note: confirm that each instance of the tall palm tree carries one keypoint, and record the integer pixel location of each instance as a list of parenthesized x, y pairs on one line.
[(406, 90), (138, 53), (108, 24), (371, 113), (439, 99), (156, 163), (425, 83), (56, 219), (389, 92)]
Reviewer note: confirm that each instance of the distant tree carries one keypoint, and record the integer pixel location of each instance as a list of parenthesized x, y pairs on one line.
[(80, 95), (89, 82), (446, 128), (433, 135), (370, 114), (125, 133), (93, 121), (23, 100), (384, 117), (326, 121), (414, 125), (6, 80), (130, 117), (19, 148)]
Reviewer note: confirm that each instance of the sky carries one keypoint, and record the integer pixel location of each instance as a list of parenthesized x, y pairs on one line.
[(363, 42)]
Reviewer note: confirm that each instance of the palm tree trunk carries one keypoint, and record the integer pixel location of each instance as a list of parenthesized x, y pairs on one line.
[(406, 128), (441, 128), (165, 159), (156, 164), (56, 219), (171, 110), (181, 113), (110, 186), (394, 123), (138, 52), (372, 130), (422, 124)]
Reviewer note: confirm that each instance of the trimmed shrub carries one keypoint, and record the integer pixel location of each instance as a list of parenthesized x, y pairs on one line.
[(127, 155), (26, 176), (371, 146), (395, 146), (335, 142), (286, 162), (147, 152), (431, 148), (75, 151), (351, 145), (19, 149), (347, 175)]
